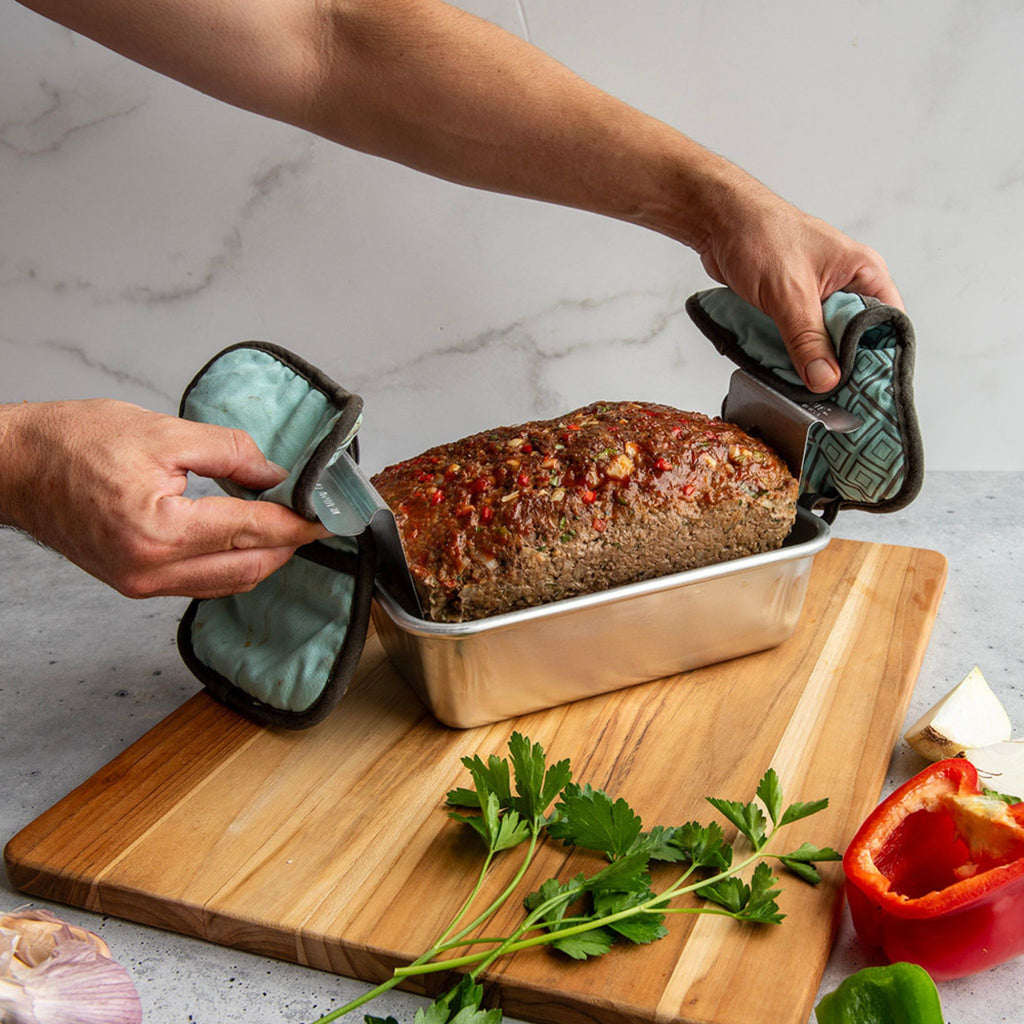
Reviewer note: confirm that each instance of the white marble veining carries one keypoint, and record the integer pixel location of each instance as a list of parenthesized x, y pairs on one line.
[(144, 226)]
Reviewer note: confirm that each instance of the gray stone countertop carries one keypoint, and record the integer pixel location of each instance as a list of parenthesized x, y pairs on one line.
[(86, 672)]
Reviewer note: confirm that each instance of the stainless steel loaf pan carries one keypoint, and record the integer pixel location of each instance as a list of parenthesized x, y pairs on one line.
[(474, 673)]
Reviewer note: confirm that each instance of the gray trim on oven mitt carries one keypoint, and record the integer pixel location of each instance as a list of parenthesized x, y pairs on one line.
[(879, 467)]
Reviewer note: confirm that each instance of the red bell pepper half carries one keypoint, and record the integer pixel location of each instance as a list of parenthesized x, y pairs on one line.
[(935, 875)]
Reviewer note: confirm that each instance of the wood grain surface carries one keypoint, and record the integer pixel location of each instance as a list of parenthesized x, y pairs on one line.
[(332, 847)]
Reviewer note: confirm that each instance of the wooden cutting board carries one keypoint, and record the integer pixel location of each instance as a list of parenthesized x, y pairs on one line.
[(332, 847)]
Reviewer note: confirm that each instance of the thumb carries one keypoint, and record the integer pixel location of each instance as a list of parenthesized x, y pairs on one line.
[(810, 347)]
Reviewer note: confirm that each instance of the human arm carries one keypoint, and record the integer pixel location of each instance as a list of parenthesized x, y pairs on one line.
[(103, 483), (440, 90)]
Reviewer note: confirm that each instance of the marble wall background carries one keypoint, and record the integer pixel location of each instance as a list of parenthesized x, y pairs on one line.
[(144, 226)]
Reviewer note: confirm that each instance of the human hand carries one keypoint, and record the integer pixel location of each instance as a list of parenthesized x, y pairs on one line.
[(787, 263), (103, 483)]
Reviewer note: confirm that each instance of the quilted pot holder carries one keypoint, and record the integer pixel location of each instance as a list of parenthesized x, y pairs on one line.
[(282, 654), (879, 466)]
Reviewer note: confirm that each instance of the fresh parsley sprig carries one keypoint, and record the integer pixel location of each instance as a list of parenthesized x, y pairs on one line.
[(584, 916)]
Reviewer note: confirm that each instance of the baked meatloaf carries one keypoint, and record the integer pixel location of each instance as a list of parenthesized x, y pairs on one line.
[(609, 494)]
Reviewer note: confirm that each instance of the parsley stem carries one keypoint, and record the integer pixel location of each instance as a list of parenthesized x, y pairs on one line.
[(722, 911), (468, 902), (655, 904), (416, 966), (421, 964), (500, 900), (507, 945), (678, 889), (356, 1003)]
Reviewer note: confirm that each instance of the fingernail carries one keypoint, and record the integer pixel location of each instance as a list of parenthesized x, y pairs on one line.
[(820, 375), (281, 472)]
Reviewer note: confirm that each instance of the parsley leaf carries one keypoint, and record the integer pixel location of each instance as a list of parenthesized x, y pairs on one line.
[(770, 791), (537, 785), (808, 872), (748, 818), (499, 831), (640, 928), (583, 945), (462, 797), (589, 818), (753, 902), (560, 895), (797, 811), (801, 860), (459, 1005), (438, 1014), (809, 852), (761, 906), (730, 893), (623, 873), (704, 846), (661, 845), (492, 776)]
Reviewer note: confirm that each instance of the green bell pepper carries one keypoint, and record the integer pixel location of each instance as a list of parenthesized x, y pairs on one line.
[(899, 993)]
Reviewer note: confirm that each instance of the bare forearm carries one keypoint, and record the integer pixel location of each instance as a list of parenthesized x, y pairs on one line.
[(255, 54), (438, 89), (428, 85)]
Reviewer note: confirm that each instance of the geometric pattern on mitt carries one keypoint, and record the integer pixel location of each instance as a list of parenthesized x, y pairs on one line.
[(868, 465)]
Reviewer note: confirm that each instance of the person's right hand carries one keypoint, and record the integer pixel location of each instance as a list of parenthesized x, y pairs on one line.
[(787, 262), (103, 482)]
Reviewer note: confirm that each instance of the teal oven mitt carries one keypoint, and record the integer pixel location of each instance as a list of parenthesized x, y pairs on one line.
[(282, 653), (880, 465)]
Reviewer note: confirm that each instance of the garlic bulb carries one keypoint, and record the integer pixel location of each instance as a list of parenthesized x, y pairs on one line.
[(54, 973)]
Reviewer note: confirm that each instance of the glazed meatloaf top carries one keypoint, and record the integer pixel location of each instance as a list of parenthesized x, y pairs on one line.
[(609, 494)]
